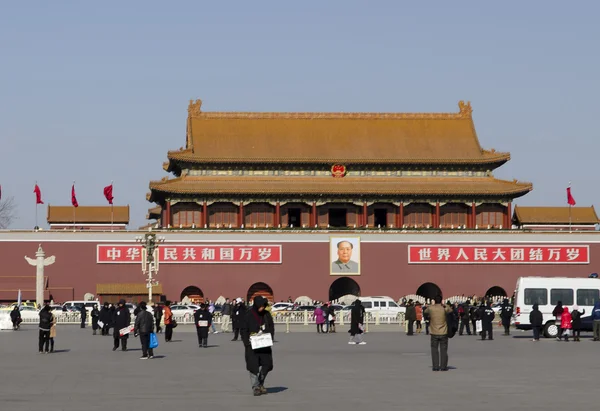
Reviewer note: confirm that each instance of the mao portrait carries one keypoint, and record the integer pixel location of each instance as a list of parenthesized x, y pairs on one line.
[(345, 255)]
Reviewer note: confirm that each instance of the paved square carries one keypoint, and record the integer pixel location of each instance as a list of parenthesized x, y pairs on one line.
[(312, 371)]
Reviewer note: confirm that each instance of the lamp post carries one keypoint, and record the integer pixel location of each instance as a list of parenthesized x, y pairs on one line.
[(150, 242)]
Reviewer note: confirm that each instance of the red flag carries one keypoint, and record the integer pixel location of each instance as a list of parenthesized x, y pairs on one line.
[(73, 198), (108, 194), (0, 192), (570, 198), (38, 195)]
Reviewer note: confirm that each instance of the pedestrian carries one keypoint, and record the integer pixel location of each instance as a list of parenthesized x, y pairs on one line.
[(596, 321), (15, 317), (121, 320), (330, 318), (319, 319), (144, 326), (169, 322), (104, 319), (506, 313), (410, 316), (357, 320), (464, 311), (203, 320), (565, 323), (211, 310), (44, 327), (52, 334), (95, 317), (83, 314), (239, 311), (437, 314), (576, 321), (474, 316), (536, 319), (419, 311), (487, 321), (226, 316), (259, 362), (557, 314), (158, 313)]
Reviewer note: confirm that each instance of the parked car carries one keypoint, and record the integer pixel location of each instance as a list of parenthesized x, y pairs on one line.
[(181, 310), (381, 305), (281, 307)]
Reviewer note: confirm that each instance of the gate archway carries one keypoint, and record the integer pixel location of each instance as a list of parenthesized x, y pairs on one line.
[(429, 291), (343, 286), (194, 293), (261, 289), (495, 291)]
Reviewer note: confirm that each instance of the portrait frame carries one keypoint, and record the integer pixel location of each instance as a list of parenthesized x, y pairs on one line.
[(355, 260)]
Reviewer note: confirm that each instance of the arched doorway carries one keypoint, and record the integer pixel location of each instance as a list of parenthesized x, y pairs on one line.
[(194, 293), (429, 291), (343, 286), (261, 289), (495, 291)]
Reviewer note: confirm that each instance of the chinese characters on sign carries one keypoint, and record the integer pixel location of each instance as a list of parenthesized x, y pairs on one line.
[(498, 254), (190, 254)]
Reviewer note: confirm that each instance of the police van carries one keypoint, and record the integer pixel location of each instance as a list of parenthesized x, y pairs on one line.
[(547, 292)]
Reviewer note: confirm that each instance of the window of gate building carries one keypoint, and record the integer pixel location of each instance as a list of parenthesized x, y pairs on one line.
[(418, 215), (223, 215), (453, 215), (186, 217)]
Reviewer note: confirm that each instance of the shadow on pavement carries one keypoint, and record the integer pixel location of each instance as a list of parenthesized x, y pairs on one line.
[(276, 390)]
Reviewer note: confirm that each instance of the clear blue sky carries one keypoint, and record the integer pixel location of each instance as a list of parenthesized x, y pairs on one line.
[(95, 92)]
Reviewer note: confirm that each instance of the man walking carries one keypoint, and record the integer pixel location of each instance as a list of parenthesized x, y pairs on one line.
[(158, 313), (121, 319), (144, 326), (506, 315), (487, 319), (438, 328), (168, 321), (226, 316), (596, 321), (83, 314), (464, 312), (411, 317)]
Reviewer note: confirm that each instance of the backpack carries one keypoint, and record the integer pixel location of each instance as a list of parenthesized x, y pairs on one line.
[(452, 321)]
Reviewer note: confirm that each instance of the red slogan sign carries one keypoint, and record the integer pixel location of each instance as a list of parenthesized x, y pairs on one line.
[(193, 254), (498, 254)]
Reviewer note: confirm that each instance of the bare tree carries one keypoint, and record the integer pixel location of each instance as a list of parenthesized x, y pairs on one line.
[(7, 212)]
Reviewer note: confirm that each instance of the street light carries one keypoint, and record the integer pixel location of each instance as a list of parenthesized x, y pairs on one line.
[(150, 243)]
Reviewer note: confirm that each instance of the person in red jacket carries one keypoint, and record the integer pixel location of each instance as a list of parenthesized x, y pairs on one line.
[(565, 323)]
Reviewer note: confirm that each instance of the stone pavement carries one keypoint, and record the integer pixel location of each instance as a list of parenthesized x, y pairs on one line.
[(312, 371)]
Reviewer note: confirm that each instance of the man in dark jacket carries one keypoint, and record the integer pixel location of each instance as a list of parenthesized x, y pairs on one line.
[(410, 316), (536, 319), (104, 318), (474, 316), (95, 316), (464, 313), (83, 314), (357, 320), (144, 326), (121, 319), (237, 317), (487, 318), (44, 326), (506, 313), (596, 321), (15, 317), (576, 321), (158, 316), (259, 362), (203, 320)]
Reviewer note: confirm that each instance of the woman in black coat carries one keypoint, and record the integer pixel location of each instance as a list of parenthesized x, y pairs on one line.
[(536, 319), (357, 319), (576, 321), (259, 362), (95, 316)]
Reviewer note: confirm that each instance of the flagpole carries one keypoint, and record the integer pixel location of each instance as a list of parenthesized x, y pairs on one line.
[(112, 212), (570, 229), (74, 229), (36, 209)]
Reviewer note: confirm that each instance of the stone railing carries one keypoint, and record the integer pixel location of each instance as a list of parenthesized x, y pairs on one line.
[(279, 317)]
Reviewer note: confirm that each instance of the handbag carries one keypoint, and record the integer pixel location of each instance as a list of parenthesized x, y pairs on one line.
[(173, 323), (478, 326), (263, 340), (153, 341)]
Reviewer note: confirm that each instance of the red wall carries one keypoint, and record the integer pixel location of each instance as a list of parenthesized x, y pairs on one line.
[(304, 271)]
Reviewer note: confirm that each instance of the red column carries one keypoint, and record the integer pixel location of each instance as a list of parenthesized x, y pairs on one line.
[(473, 215), (277, 215), (508, 218), (313, 215), (365, 215), (437, 214), (241, 215), (168, 216), (204, 214)]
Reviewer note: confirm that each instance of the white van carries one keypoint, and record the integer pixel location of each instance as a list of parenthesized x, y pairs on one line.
[(546, 292), (381, 305)]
